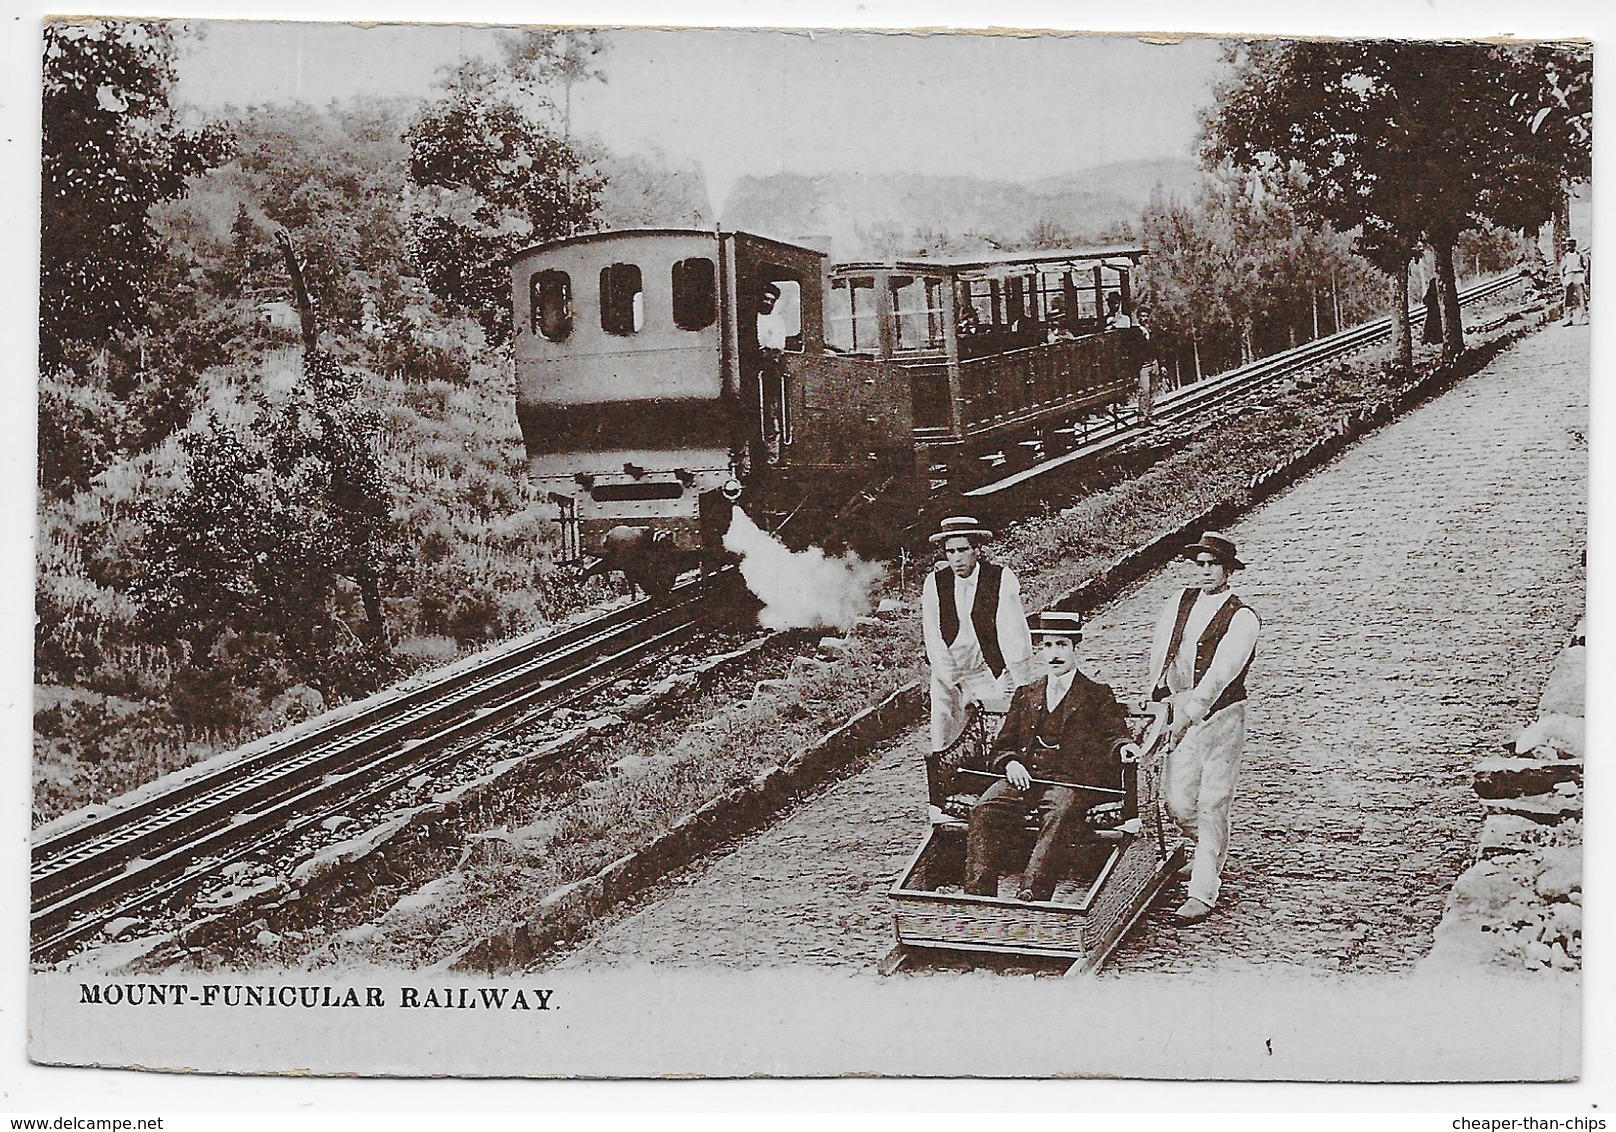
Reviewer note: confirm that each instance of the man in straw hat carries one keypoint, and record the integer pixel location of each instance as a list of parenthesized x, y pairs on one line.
[(976, 635), (1064, 732), (1204, 643)]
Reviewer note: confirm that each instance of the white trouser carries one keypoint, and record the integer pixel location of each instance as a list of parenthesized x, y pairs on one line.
[(1199, 789), (948, 702)]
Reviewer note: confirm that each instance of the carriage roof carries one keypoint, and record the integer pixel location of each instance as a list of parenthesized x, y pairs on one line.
[(628, 235), (999, 262)]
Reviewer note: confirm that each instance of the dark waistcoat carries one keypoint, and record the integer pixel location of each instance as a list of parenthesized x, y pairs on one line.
[(984, 612), (1206, 648)]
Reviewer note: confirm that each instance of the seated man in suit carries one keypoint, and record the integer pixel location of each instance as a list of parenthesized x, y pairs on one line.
[(1062, 728)]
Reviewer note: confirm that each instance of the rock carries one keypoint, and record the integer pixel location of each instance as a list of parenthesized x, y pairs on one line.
[(834, 646), (1565, 692), (1552, 736), (1508, 833), (1561, 875), (266, 938), (122, 927), (415, 904), (637, 706), (236, 896), (1566, 920), (1514, 777), (1547, 809), (801, 665), (678, 684), (629, 766), (199, 933), (335, 822), (892, 609), (340, 854)]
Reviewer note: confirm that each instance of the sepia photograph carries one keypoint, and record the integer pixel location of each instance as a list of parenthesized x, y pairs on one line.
[(570, 551)]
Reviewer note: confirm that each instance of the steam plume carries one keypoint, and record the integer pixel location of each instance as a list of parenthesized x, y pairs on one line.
[(801, 590)]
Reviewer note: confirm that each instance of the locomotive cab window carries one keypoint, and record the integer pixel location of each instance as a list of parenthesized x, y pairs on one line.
[(622, 299), (779, 315), (550, 299), (695, 299)]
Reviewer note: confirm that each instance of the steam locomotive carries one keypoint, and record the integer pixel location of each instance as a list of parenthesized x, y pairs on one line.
[(665, 376)]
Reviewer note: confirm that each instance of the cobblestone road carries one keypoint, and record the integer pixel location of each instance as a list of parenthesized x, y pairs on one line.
[(1413, 593)]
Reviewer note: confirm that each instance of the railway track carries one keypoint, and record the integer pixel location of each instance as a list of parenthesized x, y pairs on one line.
[(1190, 400), (87, 874), (170, 843)]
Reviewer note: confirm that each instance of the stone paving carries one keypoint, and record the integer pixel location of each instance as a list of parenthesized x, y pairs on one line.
[(1414, 594)]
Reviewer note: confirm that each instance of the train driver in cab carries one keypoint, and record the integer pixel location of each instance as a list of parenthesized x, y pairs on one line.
[(976, 636), (771, 337), (1064, 732)]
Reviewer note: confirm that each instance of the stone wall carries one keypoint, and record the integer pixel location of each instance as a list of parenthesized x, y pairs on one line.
[(1520, 905)]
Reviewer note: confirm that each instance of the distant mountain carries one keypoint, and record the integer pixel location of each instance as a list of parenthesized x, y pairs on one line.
[(910, 213)]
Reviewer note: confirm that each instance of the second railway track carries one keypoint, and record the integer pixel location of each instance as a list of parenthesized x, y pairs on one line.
[(1190, 400)]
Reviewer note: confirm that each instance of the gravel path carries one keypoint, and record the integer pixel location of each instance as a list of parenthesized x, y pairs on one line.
[(1414, 594)]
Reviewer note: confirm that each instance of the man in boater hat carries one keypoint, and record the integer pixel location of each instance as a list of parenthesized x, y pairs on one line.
[(976, 635), (1064, 732), (1204, 643)]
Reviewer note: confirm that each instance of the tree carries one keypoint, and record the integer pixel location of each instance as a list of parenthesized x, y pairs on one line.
[(1234, 273), (267, 523), (1404, 142), (491, 172), (111, 149)]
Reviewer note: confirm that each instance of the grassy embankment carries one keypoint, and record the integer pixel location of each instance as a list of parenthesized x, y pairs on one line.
[(115, 708)]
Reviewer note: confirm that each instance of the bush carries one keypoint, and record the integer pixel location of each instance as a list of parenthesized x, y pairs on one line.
[(474, 616), (426, 652)]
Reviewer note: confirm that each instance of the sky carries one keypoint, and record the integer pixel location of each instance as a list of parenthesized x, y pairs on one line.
[(746, 102)]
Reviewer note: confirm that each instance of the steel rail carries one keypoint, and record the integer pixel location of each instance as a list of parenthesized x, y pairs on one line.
[(95, 860), (212, 847), (1190, 399)]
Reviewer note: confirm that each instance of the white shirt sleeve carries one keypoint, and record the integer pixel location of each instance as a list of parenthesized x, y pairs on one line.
[(1234, 653), (942, 664), (1015, 639), (1159, 641)]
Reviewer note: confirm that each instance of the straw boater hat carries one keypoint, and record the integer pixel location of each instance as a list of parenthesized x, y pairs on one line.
[(1055, 623), (957, 525), (1213, 543)]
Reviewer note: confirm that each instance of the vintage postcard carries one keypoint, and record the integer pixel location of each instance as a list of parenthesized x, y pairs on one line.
[(644, 552)]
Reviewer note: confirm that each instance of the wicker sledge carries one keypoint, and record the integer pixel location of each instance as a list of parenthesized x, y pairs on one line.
[(1128, 852)]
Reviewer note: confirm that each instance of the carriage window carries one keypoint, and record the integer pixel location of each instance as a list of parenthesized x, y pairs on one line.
[(622, 299), (850, 321), (695, 301), (550, 300), (981, 306), (917, 311)]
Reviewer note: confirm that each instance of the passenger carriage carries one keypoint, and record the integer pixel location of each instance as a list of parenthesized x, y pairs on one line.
[(1128, 852), (1004, 353), (656, 387)]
